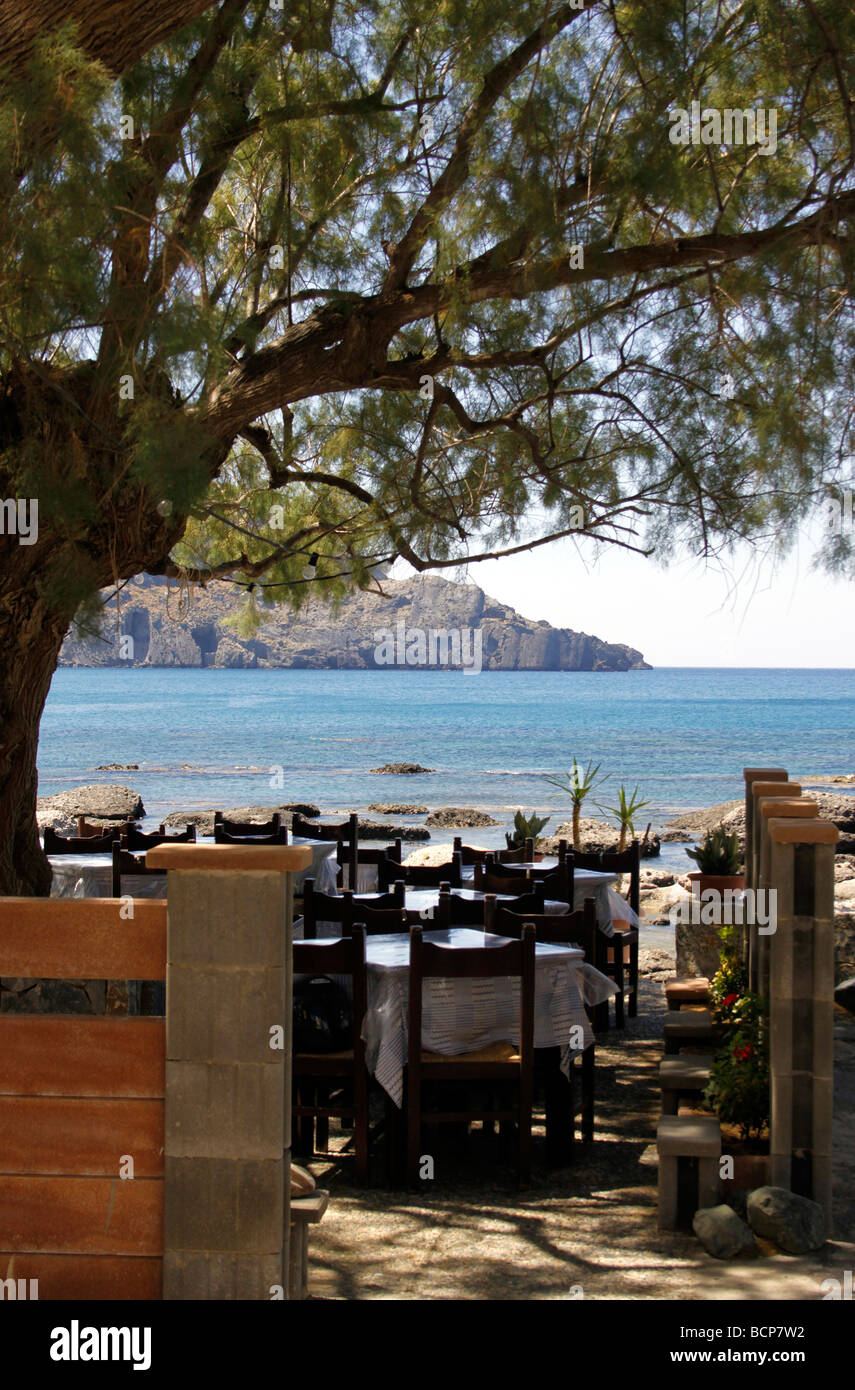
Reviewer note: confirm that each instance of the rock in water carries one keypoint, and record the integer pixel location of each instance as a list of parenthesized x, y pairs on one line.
[(397, 808), (399, 770), (460, 816), (105, 802), (794, 1223), (721, 1232)]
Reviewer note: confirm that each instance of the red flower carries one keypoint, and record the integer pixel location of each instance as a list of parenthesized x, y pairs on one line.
[(728, 1000), (741, 1053)]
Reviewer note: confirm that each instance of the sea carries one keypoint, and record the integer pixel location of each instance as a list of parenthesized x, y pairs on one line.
[(228, 738)]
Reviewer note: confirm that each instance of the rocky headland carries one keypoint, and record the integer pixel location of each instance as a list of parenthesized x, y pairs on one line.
[(167, 627)]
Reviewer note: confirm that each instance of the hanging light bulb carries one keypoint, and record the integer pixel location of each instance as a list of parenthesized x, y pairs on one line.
[(164, 508), (311, 569)]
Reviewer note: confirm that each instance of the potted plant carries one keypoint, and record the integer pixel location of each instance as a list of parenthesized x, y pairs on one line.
[(525, 828), (578, 784), (717, 858), (738, 1089)]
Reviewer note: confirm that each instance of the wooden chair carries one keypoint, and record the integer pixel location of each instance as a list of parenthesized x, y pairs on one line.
[(85, 830), (575, 929), (224, 837), (468, 853), (453, 911), (136, 841), (346, 832), (501, 1062), (335, 1084), (366, 858), (387, 921), (249, 827), (557, 882), (487, 881), (420, 875), (102, 843), (622, 956), (524, 855), (342, 907)]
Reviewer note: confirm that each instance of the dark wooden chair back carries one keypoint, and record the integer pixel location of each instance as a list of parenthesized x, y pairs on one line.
[(346, 832), (453, 911), (249, 827), (102, 843), (135, 840), (387, 921), (364, 858), (344, 955), (488, 880), (468, 853), (342, 907), (614, 862), (125, 863), (524, 855), (224, 837), (420, 875), (574, 928)]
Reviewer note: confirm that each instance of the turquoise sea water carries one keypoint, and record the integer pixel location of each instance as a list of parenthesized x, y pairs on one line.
[(208, 738)]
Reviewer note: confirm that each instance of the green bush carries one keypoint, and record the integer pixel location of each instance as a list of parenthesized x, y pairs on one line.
[(718, 853)]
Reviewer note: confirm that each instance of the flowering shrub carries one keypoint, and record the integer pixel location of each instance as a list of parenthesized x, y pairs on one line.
[(738, 1089)]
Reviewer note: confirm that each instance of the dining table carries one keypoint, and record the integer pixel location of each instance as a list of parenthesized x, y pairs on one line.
[(461, 1015), (91, 875)]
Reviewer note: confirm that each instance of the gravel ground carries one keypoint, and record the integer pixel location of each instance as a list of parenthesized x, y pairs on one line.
[(588, 1230)]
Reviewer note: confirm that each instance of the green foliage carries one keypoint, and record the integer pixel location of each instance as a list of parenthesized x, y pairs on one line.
[(718, 852), (626, 810), (525, 828), (738, 1088), (239, 247), (579, 782)]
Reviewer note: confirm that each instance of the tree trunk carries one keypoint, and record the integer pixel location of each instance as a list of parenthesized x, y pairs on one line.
[(30, 640), (112, 31), (577, 811)]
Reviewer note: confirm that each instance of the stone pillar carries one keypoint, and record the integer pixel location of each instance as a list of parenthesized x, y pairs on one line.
[(751, 775), (801, 1041), (765, 808), (228, 1069), (790, 791)]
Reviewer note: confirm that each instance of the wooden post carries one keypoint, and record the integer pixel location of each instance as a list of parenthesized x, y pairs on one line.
[(751, 775), (228, 1069), (801, 1006)]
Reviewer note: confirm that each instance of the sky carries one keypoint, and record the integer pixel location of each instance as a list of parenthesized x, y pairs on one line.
[(753, 613)]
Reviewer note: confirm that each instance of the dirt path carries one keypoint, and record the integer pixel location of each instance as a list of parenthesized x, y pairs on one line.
[(588, 1230)]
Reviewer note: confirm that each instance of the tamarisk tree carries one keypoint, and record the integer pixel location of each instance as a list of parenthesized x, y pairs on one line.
[(308, 288)]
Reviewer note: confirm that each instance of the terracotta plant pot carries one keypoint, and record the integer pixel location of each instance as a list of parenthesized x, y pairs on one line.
[(719, 882), (750, 1161)]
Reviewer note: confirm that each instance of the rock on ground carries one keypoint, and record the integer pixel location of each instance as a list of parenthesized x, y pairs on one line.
[(794, 1223), (463, 816), (722, 1233), (107, 802), (252, 815), (692, 825), (595, 835), (844, 994)]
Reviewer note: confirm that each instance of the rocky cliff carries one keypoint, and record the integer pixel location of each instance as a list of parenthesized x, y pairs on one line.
[(162, 633)]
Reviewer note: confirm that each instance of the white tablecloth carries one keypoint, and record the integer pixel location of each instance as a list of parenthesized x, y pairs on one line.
[(91, 875), (462, 1015)]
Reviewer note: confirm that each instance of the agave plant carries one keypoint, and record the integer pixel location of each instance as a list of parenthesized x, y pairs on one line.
[(525, 827), (626, 811), (578, 784), (718, 853)]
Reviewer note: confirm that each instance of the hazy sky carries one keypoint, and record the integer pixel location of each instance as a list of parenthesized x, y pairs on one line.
[(753, 614)]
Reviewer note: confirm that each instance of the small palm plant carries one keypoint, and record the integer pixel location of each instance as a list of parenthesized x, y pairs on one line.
[(626, 811), (525, 828), (578, 784)]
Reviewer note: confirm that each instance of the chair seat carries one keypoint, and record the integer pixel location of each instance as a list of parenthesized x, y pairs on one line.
[(494, 1052)]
